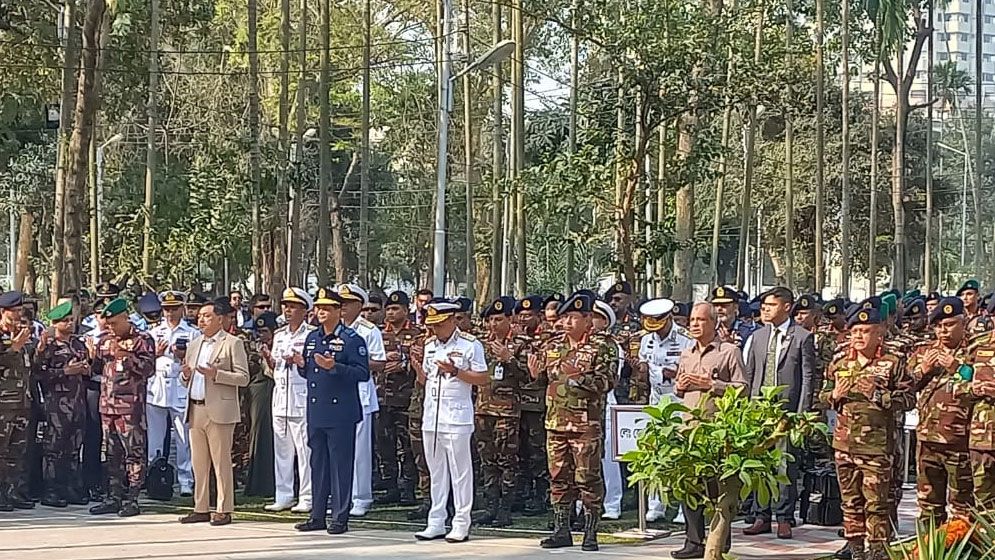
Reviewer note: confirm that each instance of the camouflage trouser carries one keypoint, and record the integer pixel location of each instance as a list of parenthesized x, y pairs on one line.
[(944, 474), (575, 468), (418, 452), (532, 453), (865, 484), (124, 438), (898, 467), (983, 463), (13, 446), (65, 418), (497, 443), (394, 445), (240, 456)]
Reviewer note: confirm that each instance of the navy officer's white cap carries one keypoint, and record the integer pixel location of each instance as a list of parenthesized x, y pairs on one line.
[(352, 292), (656, 307), (602, 308)]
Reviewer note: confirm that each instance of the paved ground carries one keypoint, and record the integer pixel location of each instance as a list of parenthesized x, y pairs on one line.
[(45, 534)]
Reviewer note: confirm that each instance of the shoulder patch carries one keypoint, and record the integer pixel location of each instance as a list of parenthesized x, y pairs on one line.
[(362, 350)]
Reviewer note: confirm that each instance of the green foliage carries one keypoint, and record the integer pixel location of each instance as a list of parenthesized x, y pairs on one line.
[(681, 451), (930, 544)]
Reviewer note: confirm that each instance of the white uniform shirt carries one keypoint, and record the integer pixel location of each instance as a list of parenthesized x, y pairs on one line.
[(663, 353), (290, 388), (164, 388), (448, 400), (375, 350), (197, 390)]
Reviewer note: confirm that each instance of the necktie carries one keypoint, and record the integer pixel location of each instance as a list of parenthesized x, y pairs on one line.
[(770, 369)]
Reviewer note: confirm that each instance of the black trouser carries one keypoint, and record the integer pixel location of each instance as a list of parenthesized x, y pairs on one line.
[(784, 510), (93, 437), (695, 527)]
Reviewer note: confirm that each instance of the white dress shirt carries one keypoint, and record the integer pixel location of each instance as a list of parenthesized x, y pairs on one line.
[(375, 350), (661, 353), (164, 390), (448, 399), (779, 331), (290, 389), (207, 343)]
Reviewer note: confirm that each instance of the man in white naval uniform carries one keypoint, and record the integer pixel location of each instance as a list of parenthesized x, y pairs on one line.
[(353, 300), (290, 404), (166, 397), (603, 321), (659, 352), (454, 362)]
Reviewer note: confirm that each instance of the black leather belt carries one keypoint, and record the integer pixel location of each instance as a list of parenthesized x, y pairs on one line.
[(197, 401)]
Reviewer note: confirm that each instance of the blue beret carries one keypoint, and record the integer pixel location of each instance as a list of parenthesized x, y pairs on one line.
[(11, 299), (554, 297), (864, 317), (581, 302), (806, 302), (915, 309), (465, 304), (947, 308), (266, 320), (148, 304), (873, 302), (399, 298), (504, 305), (622, 287), (529, 303), (682, 309), (933, 296)]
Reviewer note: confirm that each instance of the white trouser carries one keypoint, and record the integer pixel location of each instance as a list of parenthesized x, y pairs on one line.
[(159, 419), (362, 473), (290, 438), (612, 473), (449, 466)]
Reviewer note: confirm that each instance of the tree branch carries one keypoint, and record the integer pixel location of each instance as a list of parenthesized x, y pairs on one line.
[(348, 175)]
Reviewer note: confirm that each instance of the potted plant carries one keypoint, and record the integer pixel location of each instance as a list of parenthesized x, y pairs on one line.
[(718, 453)]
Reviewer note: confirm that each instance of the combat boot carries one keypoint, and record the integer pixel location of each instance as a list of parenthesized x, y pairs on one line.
[(561, 528), (503, 517), (390, 498), (75, 497), (590, 543), (19, 501), (54, 500), (487, 516), (856, 548), (5, 503), (129, 509), (844, 553), (106, 507), (876, 551)]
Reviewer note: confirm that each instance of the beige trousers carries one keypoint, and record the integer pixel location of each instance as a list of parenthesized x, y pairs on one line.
[(210, 444)]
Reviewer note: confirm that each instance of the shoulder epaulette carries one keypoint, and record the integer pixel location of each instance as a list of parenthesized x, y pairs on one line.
[(365, 323), (430, 339), (467, 336)]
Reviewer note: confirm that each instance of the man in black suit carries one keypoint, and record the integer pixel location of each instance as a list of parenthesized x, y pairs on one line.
[(781, 353), (335, 360)]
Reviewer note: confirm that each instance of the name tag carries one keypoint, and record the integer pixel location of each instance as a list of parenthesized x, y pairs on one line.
[(986, 353), (336, 345)]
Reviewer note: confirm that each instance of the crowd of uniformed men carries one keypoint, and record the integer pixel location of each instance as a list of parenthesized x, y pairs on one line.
[(510, 408)]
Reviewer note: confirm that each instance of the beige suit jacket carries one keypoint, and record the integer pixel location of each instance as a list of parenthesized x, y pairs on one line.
[(221, 394)]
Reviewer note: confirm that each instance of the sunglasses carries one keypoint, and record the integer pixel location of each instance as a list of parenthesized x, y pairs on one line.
[(264, 306), (371, 309)]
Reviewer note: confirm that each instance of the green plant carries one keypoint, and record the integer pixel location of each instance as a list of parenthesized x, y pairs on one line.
[(718, 453), (938, 543)]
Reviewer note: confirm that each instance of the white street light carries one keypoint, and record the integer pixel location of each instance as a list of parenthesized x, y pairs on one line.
[(495, 55), (97, 221)]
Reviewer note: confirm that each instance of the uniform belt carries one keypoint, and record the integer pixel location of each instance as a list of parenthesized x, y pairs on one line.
[(197, 401)]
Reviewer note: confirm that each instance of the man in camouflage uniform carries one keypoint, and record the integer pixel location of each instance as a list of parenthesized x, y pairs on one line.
[(731, 327), (15, 403), (628, 333), (127, 359), (534, 481), (61, 366), (943, 461), (498, 414), (982, 439), (415, 410), (867, 389), (580, 369), (395, 384)]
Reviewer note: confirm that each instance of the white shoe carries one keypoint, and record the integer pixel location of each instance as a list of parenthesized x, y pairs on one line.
[(431, 533), (679, 518), (301, 507), (278, 507), (357, 511), (458, 536), (611, 514), (186, 490), (653, 515)]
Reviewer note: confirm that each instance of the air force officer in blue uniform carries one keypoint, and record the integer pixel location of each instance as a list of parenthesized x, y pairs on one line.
[(335, 360)]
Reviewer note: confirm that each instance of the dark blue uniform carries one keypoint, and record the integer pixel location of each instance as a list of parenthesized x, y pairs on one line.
[(333, 410)]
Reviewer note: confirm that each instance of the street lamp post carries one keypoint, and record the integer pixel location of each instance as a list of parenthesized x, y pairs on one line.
[(97, 204), (497, 54)]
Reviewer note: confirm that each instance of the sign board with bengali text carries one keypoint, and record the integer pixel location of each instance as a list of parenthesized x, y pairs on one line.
[(627, 423)]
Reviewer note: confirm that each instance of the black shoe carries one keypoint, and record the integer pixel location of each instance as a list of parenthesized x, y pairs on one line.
[(95, 495), (689, 551), (420, 513), (310, 525), (561, 529), (54, 501), (76, 498), (845, 553), (129, 509), (407, 498), (485, 517), (20, 502), (590, 543), (503, 518), (104, 508), (337, 529)]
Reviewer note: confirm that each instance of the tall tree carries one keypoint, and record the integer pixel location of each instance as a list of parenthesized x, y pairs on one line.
[(745, 211), (364, 173), (70, 61), (280, 219), (820, 144), (150, 132), (978, 113), (254, 149), (325, 146), (845, 163), (497, 162), (789, 160)]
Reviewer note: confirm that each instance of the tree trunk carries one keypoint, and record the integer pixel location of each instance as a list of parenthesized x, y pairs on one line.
[(23, 250), (497, 163), (872, 220), (294, 252), (929, 252), (468, 171), (518, 125), (720, 180), (279, 231), (745, 212), (721, 525), (364, 173), (254, 150), (150, 155), (633, 179), (66, 110), (337, 224), (978, 113), (789, 165), (820, 146), (87, 104), (324, 149), (845, 171), (898, 274)]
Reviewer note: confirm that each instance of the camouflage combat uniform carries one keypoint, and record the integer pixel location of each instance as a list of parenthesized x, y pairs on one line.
[(122, 410), (575, 411), (943, 461), (628, 333), (532, 434), (864, 440), (982, 438), (394, 391), (65, 413), (415, 409), (902, 345), (497, 416), (15, 411)]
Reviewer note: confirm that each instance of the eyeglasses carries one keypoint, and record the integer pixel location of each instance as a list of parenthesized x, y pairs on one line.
[(370, 309)]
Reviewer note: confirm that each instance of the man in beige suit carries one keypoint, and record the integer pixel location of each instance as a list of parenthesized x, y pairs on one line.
[(214, 368)]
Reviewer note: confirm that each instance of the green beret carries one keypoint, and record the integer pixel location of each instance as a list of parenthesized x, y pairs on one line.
[(115, 307), (61, 311), (889, 304)]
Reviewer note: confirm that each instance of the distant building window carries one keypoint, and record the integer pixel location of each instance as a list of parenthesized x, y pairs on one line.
[(987, 77), (944, 56), (989, 38)]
